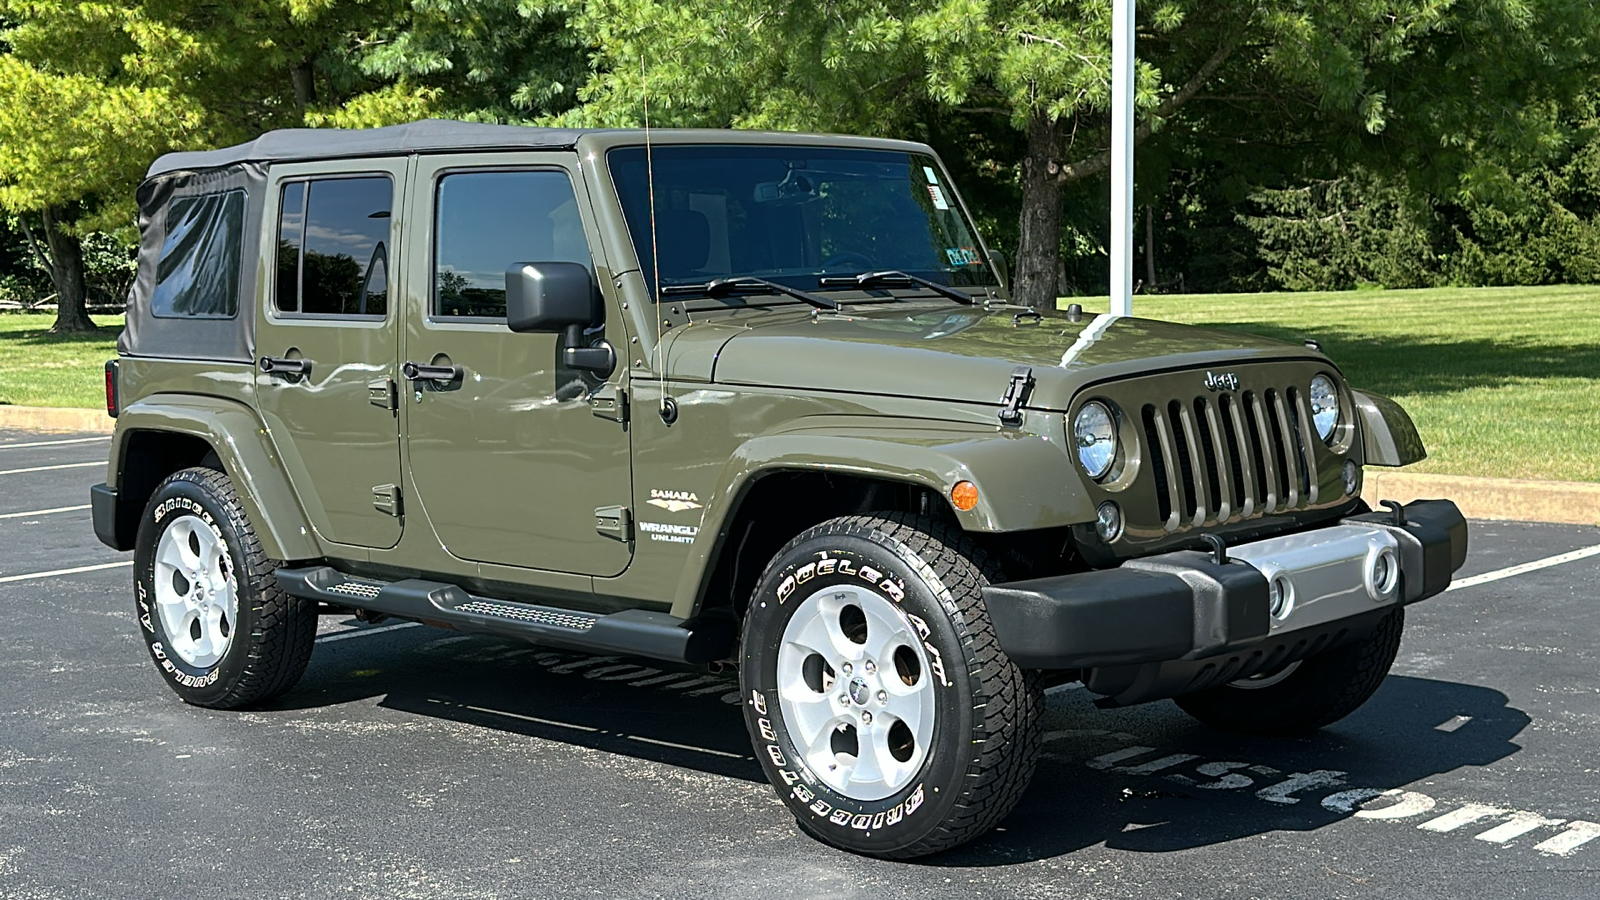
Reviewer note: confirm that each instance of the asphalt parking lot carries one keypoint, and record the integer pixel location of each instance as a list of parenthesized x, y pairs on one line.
[(412, 762)]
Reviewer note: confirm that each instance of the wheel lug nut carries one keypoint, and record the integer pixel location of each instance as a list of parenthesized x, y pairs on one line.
[(845, 668), (868, 667), (866, 718), (883, 696), (844, 699)]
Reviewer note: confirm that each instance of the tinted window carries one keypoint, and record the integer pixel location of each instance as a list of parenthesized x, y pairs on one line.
[(333, 247), (485, 221), (793, 214), (198, 273)]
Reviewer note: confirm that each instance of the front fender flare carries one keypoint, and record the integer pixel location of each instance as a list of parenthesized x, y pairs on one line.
[(236, 435), (1024, 481), (1388, 436)]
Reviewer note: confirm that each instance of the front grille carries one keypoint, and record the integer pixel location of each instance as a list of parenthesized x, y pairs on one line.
[(1230, 456)]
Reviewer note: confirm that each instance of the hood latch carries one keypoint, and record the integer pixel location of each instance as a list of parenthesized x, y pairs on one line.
[(1016, 394)]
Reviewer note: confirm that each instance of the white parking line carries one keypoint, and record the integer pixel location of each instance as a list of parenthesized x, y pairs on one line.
[(1513, 571), (101, 463), (72, 571), (42, 512), (53, 443), (362, 632)]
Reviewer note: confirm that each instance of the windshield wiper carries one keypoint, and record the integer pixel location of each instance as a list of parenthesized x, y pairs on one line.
[(722, 287), (894, 276)]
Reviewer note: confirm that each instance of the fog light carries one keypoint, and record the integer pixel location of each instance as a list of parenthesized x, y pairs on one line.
[(1352, 477), (1280, 596), (1108, 521), (1385, 574)]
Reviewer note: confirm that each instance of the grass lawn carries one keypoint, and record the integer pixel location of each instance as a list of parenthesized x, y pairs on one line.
[(1501, 381), (42, 369)]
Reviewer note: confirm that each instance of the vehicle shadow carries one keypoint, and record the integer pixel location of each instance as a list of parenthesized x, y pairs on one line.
[(688, 718)]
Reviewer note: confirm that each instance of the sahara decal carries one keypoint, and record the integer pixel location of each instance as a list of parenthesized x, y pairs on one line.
[(673, 501)]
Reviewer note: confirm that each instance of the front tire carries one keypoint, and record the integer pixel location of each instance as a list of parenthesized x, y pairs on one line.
[(221, 631), (877, 697), (1305, 695)]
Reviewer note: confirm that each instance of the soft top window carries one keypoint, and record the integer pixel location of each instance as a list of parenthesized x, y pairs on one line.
[(197, 275)]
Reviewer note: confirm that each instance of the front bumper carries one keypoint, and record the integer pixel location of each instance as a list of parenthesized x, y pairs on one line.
[(1184, 606)]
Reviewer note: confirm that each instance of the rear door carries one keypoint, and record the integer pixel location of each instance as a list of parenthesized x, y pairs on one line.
[(326, 342), (512, 458)]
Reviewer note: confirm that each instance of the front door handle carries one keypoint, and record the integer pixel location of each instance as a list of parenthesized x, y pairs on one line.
[(418, 372), (281, 365)]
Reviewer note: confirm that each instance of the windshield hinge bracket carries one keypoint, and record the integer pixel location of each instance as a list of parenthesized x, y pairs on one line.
[(1016, 395)]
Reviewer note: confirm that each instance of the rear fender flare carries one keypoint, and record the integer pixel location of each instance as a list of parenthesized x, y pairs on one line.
[(240, 442)]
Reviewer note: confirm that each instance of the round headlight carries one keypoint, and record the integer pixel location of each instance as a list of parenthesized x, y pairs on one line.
[(1094, 433), (1324, 406)]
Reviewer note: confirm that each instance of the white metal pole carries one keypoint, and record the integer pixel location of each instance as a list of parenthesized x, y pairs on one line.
[(1122, 158)]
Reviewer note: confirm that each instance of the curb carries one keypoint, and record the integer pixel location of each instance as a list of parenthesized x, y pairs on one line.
[(45, 418), (1509, 499)]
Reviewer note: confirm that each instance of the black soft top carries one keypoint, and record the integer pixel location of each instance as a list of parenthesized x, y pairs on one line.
[(429, 135)]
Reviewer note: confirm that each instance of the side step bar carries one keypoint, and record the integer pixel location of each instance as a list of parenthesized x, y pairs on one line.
[(634, 632)]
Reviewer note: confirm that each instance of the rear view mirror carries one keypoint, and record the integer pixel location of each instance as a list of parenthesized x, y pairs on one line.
[(546, 297), (549, 297)]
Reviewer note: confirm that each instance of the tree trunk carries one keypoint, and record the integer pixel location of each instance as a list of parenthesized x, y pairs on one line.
[(65, 261), (1039, 250), (1150, 249), (303, 79)]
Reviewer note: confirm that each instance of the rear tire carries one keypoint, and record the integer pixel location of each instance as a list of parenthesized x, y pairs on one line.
[(877, 696), (1306, 695), (221, 631)]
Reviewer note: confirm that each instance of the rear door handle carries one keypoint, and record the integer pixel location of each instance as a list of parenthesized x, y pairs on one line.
[(279, 365), (418, 372)]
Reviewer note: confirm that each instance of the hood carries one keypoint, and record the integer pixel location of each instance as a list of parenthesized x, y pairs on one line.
[(967, 354)]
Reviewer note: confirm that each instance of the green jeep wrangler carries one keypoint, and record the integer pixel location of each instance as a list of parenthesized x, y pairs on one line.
[(728, 397)]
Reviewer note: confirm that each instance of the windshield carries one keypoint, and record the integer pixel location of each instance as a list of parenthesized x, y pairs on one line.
[(794, 214)]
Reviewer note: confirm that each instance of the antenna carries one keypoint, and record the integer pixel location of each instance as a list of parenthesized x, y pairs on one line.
[(668, 409)]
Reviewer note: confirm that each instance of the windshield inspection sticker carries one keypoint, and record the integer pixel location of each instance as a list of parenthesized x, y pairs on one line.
[(928, 171), (673, 501), (962, 256), (937, 193)]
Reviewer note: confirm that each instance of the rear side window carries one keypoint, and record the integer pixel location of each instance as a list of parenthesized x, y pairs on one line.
[(198, 273), (485, 221), (333, 247)]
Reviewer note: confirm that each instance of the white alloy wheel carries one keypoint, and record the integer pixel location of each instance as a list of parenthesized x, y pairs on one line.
[(196, 595), (856, 691)]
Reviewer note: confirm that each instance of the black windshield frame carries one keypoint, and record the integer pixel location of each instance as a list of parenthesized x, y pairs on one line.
[(793, 213)]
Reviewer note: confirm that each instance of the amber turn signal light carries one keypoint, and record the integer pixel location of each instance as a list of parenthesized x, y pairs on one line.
[(964, 495)]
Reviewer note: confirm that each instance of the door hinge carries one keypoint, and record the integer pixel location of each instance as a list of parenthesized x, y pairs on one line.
[(386, 497), (381, 393), (614, 522), (609, 402), (1016, 394)]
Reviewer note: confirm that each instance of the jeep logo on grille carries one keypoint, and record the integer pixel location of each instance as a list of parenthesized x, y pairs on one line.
[(1227, 381)]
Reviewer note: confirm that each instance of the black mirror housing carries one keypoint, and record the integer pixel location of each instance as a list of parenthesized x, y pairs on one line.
[(544, 297)]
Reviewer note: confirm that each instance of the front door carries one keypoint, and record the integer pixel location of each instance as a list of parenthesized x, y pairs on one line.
[(508, 456), (326, 338)]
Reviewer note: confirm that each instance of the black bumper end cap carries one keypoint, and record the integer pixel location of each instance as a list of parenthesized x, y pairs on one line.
[(1173, 606), (103, 506), (1433, 544)]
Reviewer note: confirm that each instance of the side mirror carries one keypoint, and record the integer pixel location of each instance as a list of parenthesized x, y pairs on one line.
[(549, 297), (997, 261)]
